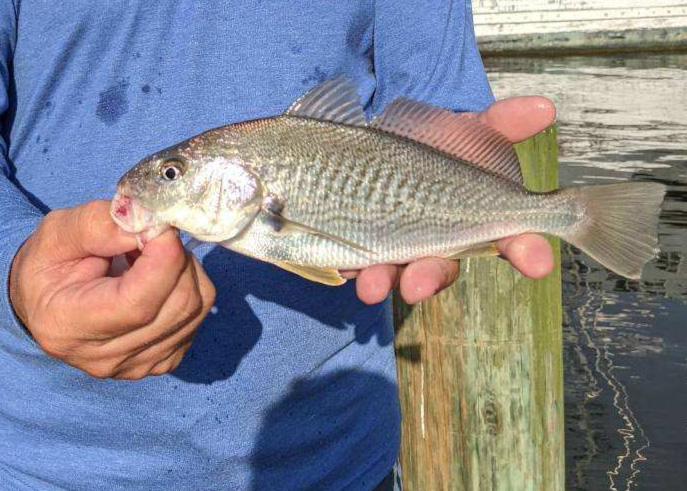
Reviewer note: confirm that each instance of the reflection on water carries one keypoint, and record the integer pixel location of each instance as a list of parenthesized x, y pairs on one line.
[(625, 353)]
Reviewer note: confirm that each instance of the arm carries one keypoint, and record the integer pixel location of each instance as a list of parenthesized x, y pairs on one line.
[(54, 274), (429, 53), (18, 217)]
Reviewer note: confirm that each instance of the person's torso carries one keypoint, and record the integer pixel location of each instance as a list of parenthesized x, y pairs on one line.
[(287, 379)]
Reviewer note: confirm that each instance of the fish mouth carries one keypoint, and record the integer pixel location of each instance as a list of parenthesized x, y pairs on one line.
[(130, 215), (133, 217)]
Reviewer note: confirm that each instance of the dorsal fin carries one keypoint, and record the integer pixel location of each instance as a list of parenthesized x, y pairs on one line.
[(335, 100), (463, 137)]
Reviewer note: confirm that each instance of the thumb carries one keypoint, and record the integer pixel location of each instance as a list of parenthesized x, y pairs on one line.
[(85, 231), (519, 118)]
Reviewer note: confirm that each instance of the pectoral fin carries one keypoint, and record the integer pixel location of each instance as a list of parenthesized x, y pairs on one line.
[(326, 276), (284, 227)]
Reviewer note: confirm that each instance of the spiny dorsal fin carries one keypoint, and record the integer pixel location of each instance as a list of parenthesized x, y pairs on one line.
[(458, 135), (333, 100)]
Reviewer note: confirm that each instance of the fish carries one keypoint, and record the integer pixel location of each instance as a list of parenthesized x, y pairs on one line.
[(320, 189)]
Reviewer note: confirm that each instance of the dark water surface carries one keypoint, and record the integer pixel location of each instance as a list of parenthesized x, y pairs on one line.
[(621, 117)]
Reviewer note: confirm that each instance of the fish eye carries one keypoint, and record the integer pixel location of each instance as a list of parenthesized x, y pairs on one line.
[(172, 169)]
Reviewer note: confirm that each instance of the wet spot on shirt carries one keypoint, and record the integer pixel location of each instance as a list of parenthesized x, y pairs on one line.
[(112, 103), (317, 76), (47, 108), (145, 89)]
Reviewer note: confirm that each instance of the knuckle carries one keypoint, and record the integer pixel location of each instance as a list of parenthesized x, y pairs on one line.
[(191, 304), (51, 349), (143, 316), (139, 312), (48, 231), (87, 218), (54, 345), (53, 218), (102, 370), (175, 256), (136, 373), (162, 368)]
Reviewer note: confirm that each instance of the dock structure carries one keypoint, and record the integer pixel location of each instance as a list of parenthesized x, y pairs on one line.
[(480, 371), (506, 27)]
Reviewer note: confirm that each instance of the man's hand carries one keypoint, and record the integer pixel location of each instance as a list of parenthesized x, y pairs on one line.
[(518, 119), (127, 327)]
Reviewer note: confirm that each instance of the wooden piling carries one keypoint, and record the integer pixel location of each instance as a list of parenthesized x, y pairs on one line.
[(480, 371)]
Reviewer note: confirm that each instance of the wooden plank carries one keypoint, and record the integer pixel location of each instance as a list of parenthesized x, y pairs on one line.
[(480, 374), (579, 21), (496, 6)]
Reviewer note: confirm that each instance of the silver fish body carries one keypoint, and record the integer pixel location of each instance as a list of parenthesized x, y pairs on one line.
[(394, 198), (315, 196)]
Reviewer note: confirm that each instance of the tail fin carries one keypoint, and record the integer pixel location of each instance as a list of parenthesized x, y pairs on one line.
[(620, 225)]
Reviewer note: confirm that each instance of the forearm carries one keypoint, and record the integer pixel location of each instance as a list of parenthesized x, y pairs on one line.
[(18, 220)]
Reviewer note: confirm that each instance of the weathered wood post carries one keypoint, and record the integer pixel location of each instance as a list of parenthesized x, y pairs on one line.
[(480, 371)]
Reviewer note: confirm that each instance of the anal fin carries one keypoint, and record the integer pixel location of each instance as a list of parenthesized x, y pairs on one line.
[(479, 250), (325, 276)]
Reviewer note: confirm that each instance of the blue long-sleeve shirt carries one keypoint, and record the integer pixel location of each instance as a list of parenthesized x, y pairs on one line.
[(290, 384)]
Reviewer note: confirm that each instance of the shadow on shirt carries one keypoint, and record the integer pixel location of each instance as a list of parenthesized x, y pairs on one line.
[(337, 431), (246, 287)]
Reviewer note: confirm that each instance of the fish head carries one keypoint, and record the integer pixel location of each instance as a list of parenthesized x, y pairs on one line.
[(212, 195)]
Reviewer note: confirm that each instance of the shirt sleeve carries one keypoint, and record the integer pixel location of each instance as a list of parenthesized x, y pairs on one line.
[(427, 51), (18, 217)]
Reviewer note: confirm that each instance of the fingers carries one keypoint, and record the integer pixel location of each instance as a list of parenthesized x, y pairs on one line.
[(183, 304), (156, 348), (162, 348), (530, 254), (84, 231), (134, 299), (374, 283), (519, 118), (153, 276), (426, 277)]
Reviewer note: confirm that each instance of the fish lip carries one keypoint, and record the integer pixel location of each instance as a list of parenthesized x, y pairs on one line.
[(129, 214)]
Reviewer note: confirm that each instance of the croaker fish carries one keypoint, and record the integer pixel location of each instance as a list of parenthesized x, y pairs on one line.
[(320, 189)]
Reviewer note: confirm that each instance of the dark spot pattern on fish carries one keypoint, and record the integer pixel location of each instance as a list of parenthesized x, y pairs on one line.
[(145, 88), (113, 103), (45, 150)]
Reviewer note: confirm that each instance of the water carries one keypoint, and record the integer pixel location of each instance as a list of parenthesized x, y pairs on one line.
[(621, 117)]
